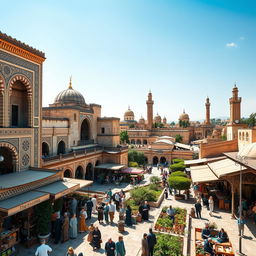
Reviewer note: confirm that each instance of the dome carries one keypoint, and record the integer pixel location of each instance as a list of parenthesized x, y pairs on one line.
[(184, 116), (248, 151), (128, 115), (142, 120), (157, 118), (69, 96)]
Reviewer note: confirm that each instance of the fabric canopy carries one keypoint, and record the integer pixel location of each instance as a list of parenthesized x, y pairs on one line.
[(132, 171), (225, 167), (110, 166), (202, 173)]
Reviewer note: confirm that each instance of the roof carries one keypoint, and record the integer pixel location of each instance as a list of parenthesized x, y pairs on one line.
[(202, 160), (110, 166), (23, 177), (202, 173), (18, 43), (23, 201), (108, 118), (181, 145), (248, 162), (225, 167), (164, 141), (166, 137)]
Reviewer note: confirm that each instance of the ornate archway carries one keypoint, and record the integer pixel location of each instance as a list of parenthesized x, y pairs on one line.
[(85, 132), (68, 173), (138, 142), (162, 160), (20, 102), (61, 147), (89, 172), (155, 160), (79, 172), (10, 158), (2, 87), (45, 149)]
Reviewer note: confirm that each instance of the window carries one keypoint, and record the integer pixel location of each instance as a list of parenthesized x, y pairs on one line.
[(102, 130), (74, 117), (15, 115)]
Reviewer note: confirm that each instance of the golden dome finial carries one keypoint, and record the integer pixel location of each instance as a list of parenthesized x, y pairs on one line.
[(70, 83)]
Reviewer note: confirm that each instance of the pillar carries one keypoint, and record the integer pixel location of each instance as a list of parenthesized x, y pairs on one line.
[(207, 106), (150, 104)]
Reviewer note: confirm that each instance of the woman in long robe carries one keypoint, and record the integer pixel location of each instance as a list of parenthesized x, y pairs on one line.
[(96, 238), (94, 201), (65, 228), (128, 216), (144, 246), (82, 221), (100, 213), (73, 227), (145, 211), (91, 229)]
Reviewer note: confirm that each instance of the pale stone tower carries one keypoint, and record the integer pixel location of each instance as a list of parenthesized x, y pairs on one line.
[(207, 106), (150, 103), (235, 106)]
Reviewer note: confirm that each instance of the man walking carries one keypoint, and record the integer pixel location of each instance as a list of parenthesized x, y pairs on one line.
[(112, 209), (89, 206), (43, 249), (110, 247), (151, 242), (198, 208), (171, 213)]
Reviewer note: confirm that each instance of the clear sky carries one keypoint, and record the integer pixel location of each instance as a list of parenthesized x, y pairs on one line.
[(183, 50)]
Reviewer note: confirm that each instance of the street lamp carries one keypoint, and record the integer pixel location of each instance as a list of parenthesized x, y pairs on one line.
[(241, 159)]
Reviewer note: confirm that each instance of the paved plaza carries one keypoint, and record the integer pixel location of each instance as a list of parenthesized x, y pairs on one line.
[(132, 236)]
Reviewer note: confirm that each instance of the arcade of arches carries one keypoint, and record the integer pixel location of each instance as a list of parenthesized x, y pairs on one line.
[(61, 147)]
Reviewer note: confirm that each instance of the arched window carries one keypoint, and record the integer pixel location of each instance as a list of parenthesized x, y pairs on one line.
[(247, 136), (155, 160), (132, 141), (19, 105), (61, 147), (162, 160), (85, 131), (145, 142), (75, 117), (138, 142)]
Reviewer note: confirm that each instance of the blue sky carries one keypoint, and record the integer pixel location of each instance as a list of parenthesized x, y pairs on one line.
[(183, 50)]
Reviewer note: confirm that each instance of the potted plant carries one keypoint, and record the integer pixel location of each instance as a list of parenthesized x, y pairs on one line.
[(43, 212)]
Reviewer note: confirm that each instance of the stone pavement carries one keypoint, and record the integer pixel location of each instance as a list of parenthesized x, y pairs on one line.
[(132, 236), (132, 239)]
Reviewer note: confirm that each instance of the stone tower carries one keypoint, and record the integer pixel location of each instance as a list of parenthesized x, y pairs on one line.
[(150, 103), (207, 108), (235, 106)]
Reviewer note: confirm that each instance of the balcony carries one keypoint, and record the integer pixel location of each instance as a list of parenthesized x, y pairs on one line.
[(73, 154)]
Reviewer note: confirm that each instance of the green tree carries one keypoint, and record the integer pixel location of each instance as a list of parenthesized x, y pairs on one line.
[(124, 137), (179, 182), (136, 156), (251, 121), (178, 138)]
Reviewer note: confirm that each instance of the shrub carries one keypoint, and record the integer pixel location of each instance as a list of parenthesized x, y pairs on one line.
[(133, 164), (143, 194), (179, 173), (155, 179), (177, 160), (168, 245), (43, 212), (154, 187), (177, 167), (136, 156), (179, 182)]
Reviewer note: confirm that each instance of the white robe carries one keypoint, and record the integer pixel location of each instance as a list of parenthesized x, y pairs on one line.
[(94, 201), (73, 227)]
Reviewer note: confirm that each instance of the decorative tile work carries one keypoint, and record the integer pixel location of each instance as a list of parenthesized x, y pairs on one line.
[(8, 70), (64, 138), (13, 141)]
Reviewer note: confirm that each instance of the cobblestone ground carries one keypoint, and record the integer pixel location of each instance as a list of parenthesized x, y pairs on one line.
[(132, 236)]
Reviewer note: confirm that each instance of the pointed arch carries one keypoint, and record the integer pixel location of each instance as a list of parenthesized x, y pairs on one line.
[(2, 88)]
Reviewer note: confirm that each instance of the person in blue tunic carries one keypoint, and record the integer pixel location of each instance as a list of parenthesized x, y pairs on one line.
[(128, 216), (105, 212), (120, 249), (222, 236), (206, 233), (151, 241)]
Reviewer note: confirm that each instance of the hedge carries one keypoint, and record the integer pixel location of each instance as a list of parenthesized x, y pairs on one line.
[(179, 173), (133, 164), (178, 167)]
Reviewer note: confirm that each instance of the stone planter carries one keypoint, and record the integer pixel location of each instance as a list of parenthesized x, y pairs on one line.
[(158, 202), (179, 197)]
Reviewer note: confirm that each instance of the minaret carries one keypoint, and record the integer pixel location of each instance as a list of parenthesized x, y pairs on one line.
[(207, 107), (150, 103), (70, 83), (235, 106)]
